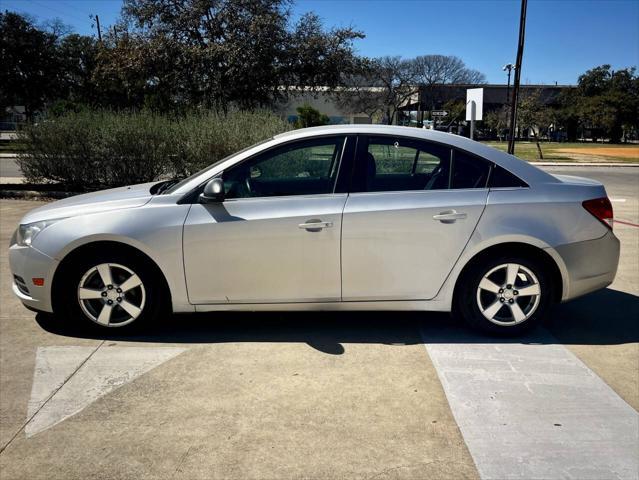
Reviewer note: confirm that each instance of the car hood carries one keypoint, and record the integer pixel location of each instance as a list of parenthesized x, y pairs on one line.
[(104, 200)]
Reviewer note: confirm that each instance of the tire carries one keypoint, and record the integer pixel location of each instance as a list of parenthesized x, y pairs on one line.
[(489, 300), (130, 299)]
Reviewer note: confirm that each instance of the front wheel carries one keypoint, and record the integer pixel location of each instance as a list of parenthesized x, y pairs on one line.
[(110, 291), (505, 295)]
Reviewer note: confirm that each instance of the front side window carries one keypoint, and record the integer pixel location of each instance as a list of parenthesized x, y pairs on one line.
[(307, 167)]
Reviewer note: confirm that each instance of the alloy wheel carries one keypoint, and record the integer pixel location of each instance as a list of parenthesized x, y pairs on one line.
[(111, 295), (508, 294)]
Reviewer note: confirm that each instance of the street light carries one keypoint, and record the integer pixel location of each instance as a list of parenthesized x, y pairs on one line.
[(509, 67)]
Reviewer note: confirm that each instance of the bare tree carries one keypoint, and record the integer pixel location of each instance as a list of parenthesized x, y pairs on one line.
[(362, 91), (384, 85), (433, 70)]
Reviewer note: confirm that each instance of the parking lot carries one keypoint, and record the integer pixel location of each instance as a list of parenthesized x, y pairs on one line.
[(329, 395)]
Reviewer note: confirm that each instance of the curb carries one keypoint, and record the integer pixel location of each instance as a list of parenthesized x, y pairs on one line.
[(584, 164)]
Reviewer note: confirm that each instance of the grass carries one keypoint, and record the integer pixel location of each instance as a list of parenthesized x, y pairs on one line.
[(579, 152)]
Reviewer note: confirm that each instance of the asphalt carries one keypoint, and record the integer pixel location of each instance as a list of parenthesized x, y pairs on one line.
[(328, 395), (9, 167)]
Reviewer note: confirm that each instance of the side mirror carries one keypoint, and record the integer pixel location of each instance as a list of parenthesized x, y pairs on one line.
[(213, 191)]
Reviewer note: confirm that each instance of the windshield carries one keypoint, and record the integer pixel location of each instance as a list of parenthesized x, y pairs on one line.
[(183, 182)]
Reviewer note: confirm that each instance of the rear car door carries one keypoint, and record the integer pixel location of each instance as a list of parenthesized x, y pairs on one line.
[(412, 208), (276, 237)]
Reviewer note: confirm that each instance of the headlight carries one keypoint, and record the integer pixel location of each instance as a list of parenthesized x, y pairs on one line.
[(25, 234)]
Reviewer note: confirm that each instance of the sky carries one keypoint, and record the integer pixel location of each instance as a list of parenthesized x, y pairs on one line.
[(564, 38)]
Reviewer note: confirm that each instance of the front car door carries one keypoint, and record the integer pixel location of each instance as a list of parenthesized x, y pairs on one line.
[(276, 237), (413, 207)]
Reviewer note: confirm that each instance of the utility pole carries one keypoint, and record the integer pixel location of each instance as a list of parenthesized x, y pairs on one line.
[(520, 54), (97, 22)]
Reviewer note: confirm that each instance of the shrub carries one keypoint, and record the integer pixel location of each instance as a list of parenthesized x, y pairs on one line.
[(308, 116), (88, 150)]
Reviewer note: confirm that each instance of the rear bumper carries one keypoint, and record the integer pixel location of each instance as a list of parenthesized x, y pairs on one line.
[(27, 263), (590, 265)]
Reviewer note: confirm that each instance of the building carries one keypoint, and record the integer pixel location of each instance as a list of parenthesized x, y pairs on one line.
[(425, 99)]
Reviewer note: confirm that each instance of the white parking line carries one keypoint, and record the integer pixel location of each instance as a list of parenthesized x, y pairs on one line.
[(618, 200), (536, 411)]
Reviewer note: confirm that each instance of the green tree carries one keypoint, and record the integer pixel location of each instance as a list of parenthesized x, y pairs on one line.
[(220, 53), (30, 64), (606, 102), (78, 56), (497, 122), (310, 117), (532, 115)]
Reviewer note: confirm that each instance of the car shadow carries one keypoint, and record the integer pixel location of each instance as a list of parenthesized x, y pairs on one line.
[(605, 317)]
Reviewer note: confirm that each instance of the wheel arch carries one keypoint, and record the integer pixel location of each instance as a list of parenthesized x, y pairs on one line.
[(100, 246), (517, 248)]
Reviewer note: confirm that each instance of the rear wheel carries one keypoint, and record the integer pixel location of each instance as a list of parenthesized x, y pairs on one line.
[(505, 295), (110, 291)]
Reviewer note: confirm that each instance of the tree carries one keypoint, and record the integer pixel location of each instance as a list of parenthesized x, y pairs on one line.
[(434, 70), (362, 91), (606, 102), (30, 64), (532, 115), (388, 83), (497, 121), (310, 117), (221, 53), (78, 55), (397, 80)]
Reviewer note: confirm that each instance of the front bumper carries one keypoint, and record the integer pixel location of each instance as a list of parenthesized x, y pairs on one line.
[(27, 263), (590, 265)]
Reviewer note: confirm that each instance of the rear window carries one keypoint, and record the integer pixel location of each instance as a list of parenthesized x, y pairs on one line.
[(469, 171), (502, 178)]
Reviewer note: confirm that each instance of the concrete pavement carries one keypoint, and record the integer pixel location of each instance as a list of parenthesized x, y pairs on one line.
[(326, 395)]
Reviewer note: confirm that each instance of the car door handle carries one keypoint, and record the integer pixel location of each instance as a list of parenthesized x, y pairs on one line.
[(315, 225), (450, 216)]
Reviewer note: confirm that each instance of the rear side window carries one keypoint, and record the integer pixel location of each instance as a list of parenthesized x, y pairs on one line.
[(469, 171), (387, 164), (502, 178)]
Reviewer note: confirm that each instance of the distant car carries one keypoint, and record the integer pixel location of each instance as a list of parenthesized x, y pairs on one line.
[(358, 217)]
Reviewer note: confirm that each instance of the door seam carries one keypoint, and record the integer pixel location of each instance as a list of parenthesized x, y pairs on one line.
[(341, 234)]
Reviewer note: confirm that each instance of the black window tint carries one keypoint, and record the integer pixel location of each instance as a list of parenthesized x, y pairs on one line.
[(469, 171), (302, 168), (501, 178), (399, 164)]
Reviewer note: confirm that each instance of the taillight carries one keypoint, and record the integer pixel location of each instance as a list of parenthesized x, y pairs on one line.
[(601, 209)]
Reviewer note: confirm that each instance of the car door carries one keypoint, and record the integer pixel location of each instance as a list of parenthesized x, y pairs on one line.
[(276, 236), (412, 208)]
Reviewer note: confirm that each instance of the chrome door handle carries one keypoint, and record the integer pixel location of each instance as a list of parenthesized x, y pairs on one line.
[(315, 225), (450, 216)]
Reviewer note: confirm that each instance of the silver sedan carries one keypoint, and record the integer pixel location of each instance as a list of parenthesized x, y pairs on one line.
[(327, 218)]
